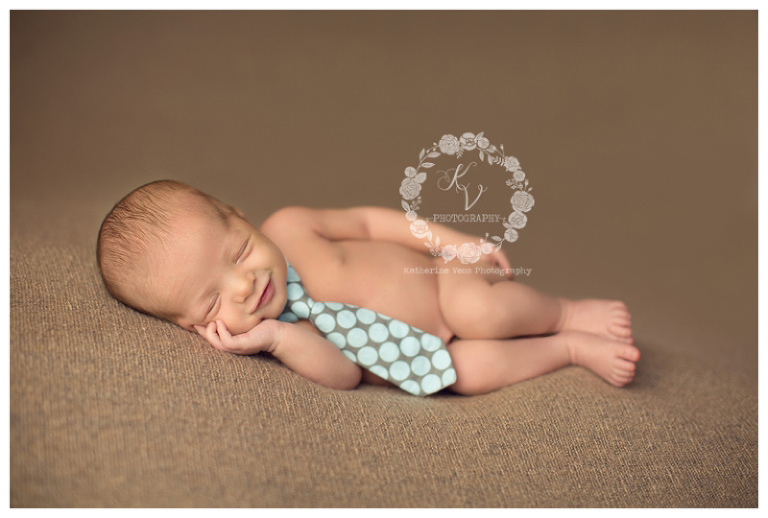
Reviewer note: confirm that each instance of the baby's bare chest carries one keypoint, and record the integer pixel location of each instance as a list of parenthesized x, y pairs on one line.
[(384, 277)]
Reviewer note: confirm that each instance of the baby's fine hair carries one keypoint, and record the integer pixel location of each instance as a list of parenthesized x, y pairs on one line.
[(137, 222)]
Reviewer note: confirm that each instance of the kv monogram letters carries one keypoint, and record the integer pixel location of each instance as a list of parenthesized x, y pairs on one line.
[(459, 172)]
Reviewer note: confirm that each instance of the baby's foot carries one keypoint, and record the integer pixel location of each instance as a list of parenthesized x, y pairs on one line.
[(611, 360), (609, 318)]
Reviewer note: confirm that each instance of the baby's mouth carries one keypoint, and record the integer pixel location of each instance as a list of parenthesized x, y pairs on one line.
[(266, 295)]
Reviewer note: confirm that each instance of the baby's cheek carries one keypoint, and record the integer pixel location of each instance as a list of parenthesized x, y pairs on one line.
[(240, 325)]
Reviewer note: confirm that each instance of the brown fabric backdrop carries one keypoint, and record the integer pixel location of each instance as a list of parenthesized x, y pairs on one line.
[(637, 129)]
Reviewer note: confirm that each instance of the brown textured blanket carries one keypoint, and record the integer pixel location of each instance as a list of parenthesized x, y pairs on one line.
[(638, 130)]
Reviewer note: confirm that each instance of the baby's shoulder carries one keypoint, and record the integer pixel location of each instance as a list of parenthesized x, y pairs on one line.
[(290, 224), (293, 216), (294, 230)]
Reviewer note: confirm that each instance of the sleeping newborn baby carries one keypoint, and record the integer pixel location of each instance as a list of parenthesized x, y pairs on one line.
[(328, 294)]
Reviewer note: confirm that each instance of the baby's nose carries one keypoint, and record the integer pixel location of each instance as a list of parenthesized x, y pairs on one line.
[(243, 286)]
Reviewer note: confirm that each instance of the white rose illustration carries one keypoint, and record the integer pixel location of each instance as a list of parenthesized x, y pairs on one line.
[(420, 228), (449, 145), (487, 248), (511, 235), (511, 163), (455, 146), (517, 219), (469, 253), (468, 141), (448, 253), (522, 201), (409, 188)]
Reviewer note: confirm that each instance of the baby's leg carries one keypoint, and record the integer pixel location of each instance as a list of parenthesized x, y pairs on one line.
[(486, 365), (476, 306)]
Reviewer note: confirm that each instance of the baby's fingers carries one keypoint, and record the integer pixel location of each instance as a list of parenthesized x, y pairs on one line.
[(224, 333), (209, 333), (229, 343), (220, 338)]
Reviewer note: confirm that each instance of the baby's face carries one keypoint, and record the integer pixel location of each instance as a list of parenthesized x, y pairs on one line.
[(220, 270)]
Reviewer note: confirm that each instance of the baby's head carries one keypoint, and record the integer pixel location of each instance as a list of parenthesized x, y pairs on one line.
[(176, 253)]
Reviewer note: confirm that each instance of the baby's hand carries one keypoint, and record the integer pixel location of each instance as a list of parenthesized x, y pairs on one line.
[(261, 338)]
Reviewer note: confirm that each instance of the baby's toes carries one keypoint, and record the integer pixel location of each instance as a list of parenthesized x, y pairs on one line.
[(629, 353), (621, 332), (620, 310), (620, 327), (622, 319), (625, 367), (629, 340), (623, 372), (619, 307), (622, 379)]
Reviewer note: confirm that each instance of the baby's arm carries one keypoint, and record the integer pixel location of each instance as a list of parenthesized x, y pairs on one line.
[(385, 224), (302, 351), (373, 223), (390, 225), (293, 226)]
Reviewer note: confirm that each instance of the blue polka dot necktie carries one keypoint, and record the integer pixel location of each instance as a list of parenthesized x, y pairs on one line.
[(415, 361)]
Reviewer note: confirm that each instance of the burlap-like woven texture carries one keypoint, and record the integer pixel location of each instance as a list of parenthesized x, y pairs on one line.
[(631, 137)]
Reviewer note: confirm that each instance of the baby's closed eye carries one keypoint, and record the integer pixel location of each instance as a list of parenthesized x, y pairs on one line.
[(243, 252), (210, 311)]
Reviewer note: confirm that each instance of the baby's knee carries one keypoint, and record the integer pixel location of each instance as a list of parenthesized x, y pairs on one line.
[(470, 317), (466, 387), (473, 374), (471, 385)]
